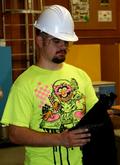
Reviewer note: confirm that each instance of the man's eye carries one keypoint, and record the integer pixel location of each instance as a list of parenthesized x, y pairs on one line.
[(58, 41), (55, 40)]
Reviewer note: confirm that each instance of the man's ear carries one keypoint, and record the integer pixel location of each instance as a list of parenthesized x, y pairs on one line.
[(39, 41)]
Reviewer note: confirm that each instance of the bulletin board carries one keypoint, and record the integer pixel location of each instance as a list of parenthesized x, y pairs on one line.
[(94, 14), (5, 75)]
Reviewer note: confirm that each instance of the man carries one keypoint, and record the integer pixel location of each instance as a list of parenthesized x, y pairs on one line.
[(50, 97)]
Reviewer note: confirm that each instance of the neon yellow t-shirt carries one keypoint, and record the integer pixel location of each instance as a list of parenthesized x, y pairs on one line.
[(50, 101)]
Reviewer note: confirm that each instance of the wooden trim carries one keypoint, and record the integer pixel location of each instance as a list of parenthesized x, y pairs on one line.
[(110, 65), (1, 21), (98, 40)]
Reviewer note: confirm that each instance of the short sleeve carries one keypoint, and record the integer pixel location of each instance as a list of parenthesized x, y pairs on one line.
[(90, 94), (18, 109)]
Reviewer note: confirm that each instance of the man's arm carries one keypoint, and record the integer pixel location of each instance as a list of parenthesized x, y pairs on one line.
[(28, 137)]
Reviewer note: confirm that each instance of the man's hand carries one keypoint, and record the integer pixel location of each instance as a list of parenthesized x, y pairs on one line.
[(75, 138)]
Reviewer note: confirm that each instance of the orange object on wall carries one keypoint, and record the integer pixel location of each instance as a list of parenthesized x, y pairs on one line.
[(86, 57)]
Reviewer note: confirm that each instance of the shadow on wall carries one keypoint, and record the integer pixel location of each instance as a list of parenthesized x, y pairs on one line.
[(5, 75)]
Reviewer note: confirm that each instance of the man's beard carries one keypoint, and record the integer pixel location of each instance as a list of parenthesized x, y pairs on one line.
[(59, 59)]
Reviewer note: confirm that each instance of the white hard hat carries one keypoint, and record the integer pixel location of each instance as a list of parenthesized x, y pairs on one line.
[(56, 20)]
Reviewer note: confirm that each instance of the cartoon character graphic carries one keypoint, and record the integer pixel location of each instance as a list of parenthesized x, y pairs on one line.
[(65, 106)]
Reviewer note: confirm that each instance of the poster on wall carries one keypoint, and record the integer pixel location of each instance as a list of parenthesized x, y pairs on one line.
[(104, 16), (104, 2), (80, 10)]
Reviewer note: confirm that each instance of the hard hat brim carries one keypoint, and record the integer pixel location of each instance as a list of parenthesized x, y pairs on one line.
[(63, 36)]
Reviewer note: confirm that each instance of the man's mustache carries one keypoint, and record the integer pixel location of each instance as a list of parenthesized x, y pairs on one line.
[(62, 51)]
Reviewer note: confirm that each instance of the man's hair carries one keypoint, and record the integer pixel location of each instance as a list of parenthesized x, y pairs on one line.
[(40, 33), (37, 31)]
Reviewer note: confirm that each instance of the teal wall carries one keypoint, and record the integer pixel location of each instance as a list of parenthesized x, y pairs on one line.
[(5, 74)]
